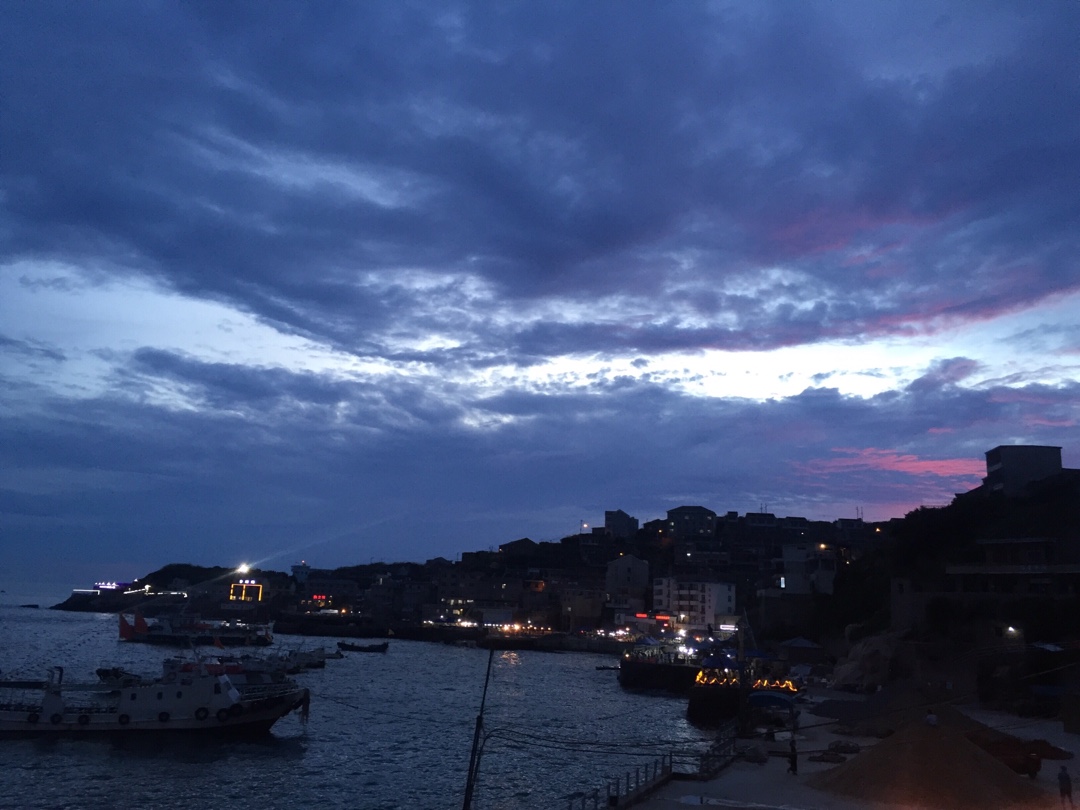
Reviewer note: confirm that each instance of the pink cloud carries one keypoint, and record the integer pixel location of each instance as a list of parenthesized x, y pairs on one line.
[(872, 458), (888, 270), (830, 227), (1044, 421), (865, 256)]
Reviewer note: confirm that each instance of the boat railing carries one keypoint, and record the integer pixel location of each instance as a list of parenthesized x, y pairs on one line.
[(21, 707), (31, 700), (89, 708), (262, 691), (21, 698)]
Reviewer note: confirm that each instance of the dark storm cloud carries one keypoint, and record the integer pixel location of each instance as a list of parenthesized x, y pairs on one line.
[(234, 385), (270, 155), (273, 397)]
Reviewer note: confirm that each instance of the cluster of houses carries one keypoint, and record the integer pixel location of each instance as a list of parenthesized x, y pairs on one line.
[(692, 570), (696, 570)]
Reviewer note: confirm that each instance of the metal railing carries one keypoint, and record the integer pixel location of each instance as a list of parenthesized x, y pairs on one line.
[(623, 791), (636, 784)]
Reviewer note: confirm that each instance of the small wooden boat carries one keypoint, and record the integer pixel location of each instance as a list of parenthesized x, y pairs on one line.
[(373, 648)]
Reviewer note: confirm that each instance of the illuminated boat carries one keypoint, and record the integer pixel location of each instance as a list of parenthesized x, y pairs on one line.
[(187, 631), (196, 701), (719, 692)]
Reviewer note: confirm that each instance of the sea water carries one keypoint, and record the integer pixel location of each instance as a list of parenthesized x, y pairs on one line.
[(385, 731)]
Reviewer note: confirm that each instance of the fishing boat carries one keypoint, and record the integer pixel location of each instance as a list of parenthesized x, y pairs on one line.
[(263, 663), (298, 660), (195, 700), (724, 686), (182, 630), (367, 648), (654, 665)]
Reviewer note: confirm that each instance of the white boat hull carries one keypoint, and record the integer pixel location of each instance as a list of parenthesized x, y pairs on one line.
[(189, 703)]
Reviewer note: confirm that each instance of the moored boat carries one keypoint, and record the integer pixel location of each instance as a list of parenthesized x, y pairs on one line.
[(298, 660), (722, 688), (670, 667), (367, 648), (121, 703), (256, 666), (186, 631)]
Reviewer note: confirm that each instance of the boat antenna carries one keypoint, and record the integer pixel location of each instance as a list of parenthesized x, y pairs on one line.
[(474, 756)]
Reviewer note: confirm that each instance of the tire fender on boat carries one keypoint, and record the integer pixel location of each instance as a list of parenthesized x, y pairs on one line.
[(236, 709), (201, 713), (56, 719), (123, 719), (222, 715), (32, 717), (163, 717)]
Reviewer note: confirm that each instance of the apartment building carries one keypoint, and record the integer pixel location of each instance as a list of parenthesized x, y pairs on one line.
[(694, 605)]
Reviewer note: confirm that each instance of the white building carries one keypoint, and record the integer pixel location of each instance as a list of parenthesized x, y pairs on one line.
[(693, 605)]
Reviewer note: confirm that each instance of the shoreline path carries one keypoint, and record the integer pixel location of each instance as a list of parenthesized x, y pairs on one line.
[(917, 767)]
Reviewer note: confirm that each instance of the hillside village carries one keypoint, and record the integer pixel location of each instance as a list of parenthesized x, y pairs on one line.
[(991, 569)]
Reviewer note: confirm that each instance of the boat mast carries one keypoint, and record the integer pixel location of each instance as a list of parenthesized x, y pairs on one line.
[(474, 756)]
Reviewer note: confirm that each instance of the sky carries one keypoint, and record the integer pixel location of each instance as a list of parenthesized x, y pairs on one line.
[(347, 282)]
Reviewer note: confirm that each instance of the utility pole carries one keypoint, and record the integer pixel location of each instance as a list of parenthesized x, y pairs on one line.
[(474, 756), (744, 676)]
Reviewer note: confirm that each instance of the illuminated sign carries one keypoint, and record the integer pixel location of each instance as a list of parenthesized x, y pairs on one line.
[(245, 590)]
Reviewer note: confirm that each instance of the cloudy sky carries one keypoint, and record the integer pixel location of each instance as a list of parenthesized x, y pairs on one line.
[(395, 280)]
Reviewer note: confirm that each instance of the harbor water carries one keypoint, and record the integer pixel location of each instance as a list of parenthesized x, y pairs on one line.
[(385, 731)]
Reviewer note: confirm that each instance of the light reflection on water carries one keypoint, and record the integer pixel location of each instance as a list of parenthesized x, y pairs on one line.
[(385, 731)]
